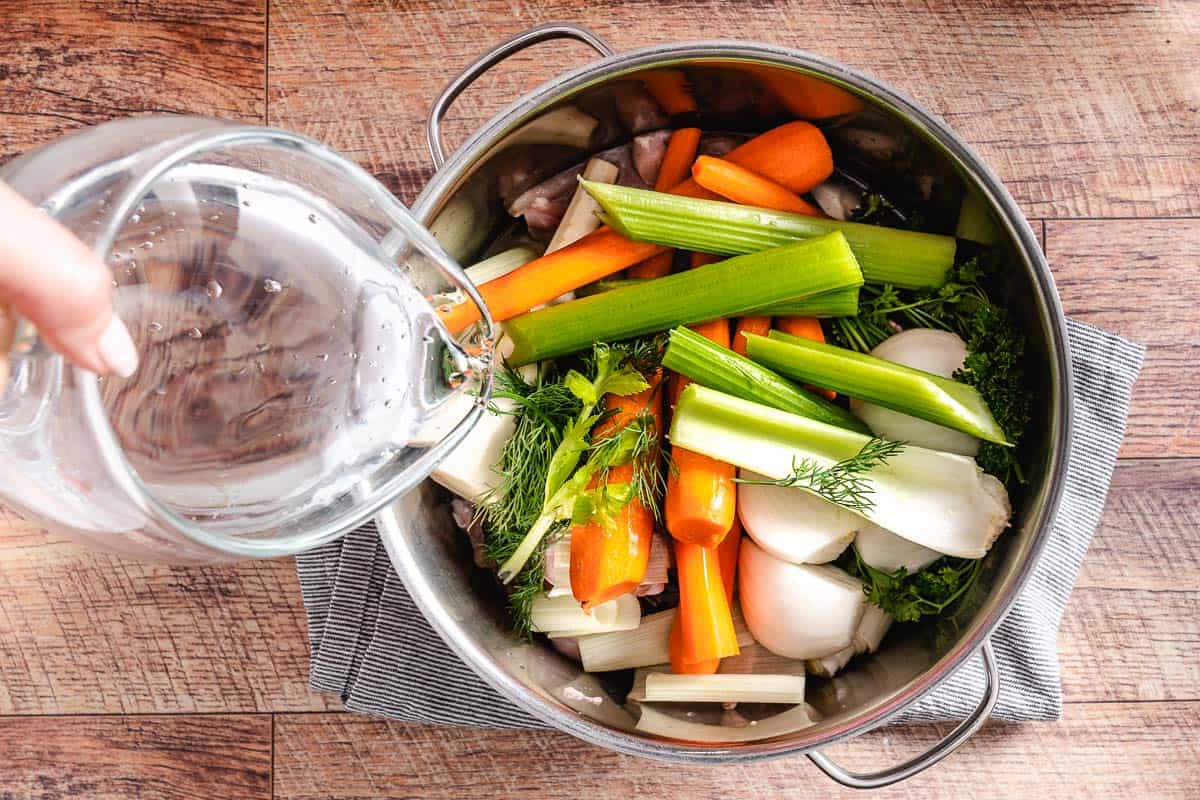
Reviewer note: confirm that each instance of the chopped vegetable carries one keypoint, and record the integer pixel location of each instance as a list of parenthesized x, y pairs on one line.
[(564, 615), (581, 218), (798, 527), (727, 288), (887, 552), (662, 687), (671, 89), (720, 368), (868, 636), (837, 303), (909, 391), (887, 255), (727, 556), (938, 352), (705, 621), (611, 549), (656, 722), (808, 96), (939, 500), (644, 646), (798, 610), (679, 664), (794, 155), (758, 660), (740, 185)]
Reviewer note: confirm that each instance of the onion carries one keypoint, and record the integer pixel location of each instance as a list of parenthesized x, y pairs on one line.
[(798, 610), (794, 525), (937, 352), (884, 550)]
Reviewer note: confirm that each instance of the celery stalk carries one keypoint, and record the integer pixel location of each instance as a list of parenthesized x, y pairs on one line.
[(709, 364), (940, 500), (727, 288), (837, 303), (876, 380), (908, 259), (975, 221)]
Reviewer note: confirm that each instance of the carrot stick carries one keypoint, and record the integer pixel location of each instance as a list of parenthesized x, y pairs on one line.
[(609, 562), (808, 97), (671, 89), (700, 259), (806, 328), (675, 649), (727, 555), (676, 163), (705, 622), (595, 256), (794, 155), (701, 495), (743, 186), (759, 325)]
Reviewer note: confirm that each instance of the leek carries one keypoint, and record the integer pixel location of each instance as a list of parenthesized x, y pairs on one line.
[(730, 688), (910, 391), (907, 259), (727, 288), (662, 724), (837, 303), (709, 364), (975, 221), (501, 264), (940, 500), (564, 615)]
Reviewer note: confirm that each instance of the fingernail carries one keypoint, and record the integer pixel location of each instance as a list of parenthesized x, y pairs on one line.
[(117, 349)]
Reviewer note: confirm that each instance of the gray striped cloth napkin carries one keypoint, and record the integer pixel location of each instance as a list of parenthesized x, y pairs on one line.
[(372, 647)]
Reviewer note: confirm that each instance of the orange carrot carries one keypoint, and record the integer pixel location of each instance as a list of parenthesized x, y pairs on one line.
[(806, 96), (609, 562), (759, 325), (794, 155), (727, 555), (671, 89), (595, 256), (675, 649), (806, 328), (701, 495), (700, 259), (676, 163), (743, 186), (705, 622)]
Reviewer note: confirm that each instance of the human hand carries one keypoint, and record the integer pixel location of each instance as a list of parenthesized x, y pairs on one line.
[(52, 279)]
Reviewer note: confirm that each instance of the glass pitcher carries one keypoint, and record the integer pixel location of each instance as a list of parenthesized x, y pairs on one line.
[(294, 376)]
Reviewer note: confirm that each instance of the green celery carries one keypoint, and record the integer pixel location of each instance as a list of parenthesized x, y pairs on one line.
[(885, 383), (727, 288), (908, 259), (975, 221), (709, 364), (826, 305)]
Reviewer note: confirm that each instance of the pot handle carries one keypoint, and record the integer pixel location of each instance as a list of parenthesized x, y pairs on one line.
[(956, 737), (542, 33)]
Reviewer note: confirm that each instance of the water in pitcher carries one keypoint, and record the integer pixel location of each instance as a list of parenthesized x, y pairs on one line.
[(284, 357)]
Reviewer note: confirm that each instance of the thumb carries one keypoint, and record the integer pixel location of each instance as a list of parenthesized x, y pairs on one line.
[(53, 280)]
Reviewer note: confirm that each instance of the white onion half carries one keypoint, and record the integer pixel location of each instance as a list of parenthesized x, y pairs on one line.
[(937, 352), (797, 610), (794, 525), (884, 550)]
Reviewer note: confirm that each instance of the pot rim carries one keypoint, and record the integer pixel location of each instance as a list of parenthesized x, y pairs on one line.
[(1050, 313)]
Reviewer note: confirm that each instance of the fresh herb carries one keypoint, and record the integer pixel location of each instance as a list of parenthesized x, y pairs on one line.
[(930, 591), (877, 209), (845, 482), (996, 349)]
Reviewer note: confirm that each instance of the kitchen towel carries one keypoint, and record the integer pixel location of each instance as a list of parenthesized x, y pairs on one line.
[(372, 647)]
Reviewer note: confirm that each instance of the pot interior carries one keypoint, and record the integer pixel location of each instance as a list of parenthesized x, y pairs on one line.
[(740, 90)]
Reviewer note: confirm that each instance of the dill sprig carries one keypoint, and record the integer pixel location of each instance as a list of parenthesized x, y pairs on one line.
[(845, 483)]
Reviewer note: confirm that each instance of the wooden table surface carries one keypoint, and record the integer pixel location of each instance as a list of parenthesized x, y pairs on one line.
[(119, 679)]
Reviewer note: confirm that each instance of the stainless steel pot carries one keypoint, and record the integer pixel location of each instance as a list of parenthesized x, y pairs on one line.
[(428, 552)]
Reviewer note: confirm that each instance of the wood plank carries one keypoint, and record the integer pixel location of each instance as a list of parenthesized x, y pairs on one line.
[(1079, 106), (1117, 750), (87, 632), (165, 758), (1138, 279), (64, 65)]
